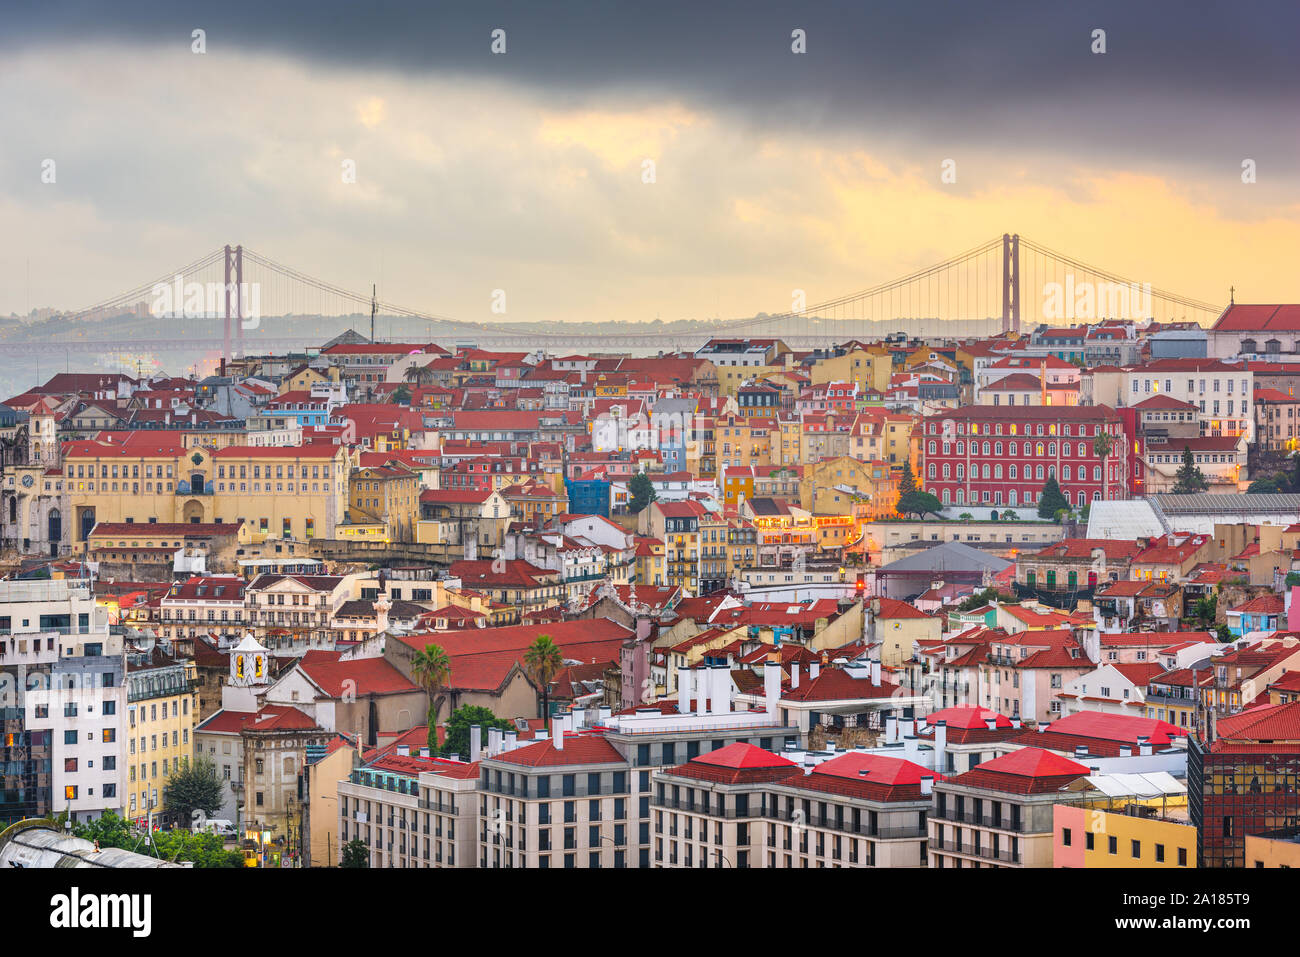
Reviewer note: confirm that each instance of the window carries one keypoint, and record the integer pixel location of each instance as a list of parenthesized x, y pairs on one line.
[(1065, 837), (1112, 845)]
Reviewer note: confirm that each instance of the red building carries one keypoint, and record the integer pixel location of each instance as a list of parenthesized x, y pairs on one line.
[(1002, 455)]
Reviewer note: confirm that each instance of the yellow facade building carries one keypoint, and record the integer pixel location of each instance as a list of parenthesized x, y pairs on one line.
[(162, 712)]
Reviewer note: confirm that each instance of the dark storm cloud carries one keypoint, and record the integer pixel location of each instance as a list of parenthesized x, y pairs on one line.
[(1176, 76)]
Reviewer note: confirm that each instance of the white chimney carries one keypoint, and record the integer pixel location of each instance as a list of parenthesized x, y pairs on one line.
[(701, 678), (1126, 750), (1015, 722), (475, 741), (927, 785), (940, 745), (579, 718), (875, 672), (911, 744), (991, 723), (794, 674), (404, 750), (606, 712), (1144, 744), (724, 689), (684, 690), (814, 670), (512, 740), (424, 752), (771, 686), (891, 729), (1042, 728), (494, 742), (542, 735)]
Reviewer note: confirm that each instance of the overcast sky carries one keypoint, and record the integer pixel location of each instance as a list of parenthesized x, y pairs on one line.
[(524, 171)]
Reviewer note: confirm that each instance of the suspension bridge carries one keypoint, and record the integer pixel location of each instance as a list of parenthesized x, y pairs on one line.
[(235, 299)]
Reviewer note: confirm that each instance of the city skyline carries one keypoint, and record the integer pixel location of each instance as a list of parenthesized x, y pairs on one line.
[(524, 171)]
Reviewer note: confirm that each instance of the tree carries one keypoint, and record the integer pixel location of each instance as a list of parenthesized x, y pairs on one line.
[(459, 723), (110, 831), (907, 483), (919, 504), (1189, 478), (401, 395), (1204, 610), (194, 787), (431, 669), (988, 595), (643, 492), (965, 516), (1225, 634), (1052, 500), (1009, 515), (355, 854), (203, 850), (1103, 444), (543, 662), (420, 375)]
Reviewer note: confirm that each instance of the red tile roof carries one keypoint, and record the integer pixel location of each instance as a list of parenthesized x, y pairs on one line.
[(578, 749), (1026, 771), (1267, 723), (361, 676)]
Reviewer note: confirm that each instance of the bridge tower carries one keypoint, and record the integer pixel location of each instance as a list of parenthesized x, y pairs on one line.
[(234, 264), (1011, 282)]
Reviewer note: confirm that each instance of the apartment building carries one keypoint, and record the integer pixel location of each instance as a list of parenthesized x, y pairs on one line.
[(1000, 813), (995, 455), (742, 806), (35, 618), (203, 605), (162, 705)]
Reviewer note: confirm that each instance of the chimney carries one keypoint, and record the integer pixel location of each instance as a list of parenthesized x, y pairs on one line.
[(875, 672), (684, 690), (991, 723), (579, 718), (1126, 750), (1144, 744), (814, 670), (724, 690), (542, 735), (605, 712), (940, 744), (404, 750), (794, 675), (475, 741), (1044, 726), (771, 686), (455, 757), (927, 785), (512, 740), (910, 746), (891, 729), (1015, 722), (1081, 751), (494, 742), (424, 752), (559, 725)]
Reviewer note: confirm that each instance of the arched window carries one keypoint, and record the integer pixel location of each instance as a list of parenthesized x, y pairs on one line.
[(1011, 496), (986, 471), (1013, 449), (961, 496), (997, 448), (1039, 449), (1051, 471), (1096, 473), (930, 470), (961, 470), (988, 449), (961, 448), (1083, 449), (1051, 449), (946, 469), (997, 471), (947, 497), (1065, 472), (1011, 471), (933, 447), (1038, 472)]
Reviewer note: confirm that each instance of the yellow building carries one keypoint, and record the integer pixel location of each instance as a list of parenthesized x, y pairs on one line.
[(1094, 837), (385, 496), (745, 441), (290, 491), (847, 486), (868, 366), (1279, 849), (162, 712), (304, 377), (790, 438)]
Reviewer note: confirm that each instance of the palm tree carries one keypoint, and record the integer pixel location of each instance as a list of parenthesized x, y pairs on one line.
[(1103, 445), (420, 375), (543, 662), (431, 669)]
